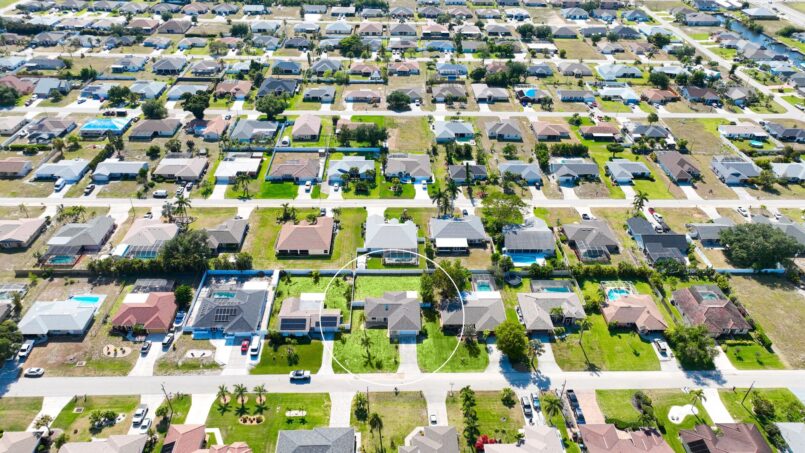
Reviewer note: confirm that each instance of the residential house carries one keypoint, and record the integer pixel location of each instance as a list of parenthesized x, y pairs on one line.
[(306, 314), (528, 172), (169, 65), (403, 68), (465, 173), (725, 438), (592, 240), (442, 439), (306, 128), (116, 169), (11, 168), (449, 92), (409, 167), (397, 311), (618, 71), (70, 170), (575, 14), (339, 27), (227, 308), (402, 29), (476, 312), (363, 96), (129, 63), (151, 312), (148, 129), (21, 86), (600, 132), (457, 235), (178, 91), (325, 66), (397, 242), (296, 167), (20, 233), (231, 167), (350, 166), (453, 130), (175, 27), (253, 131), (680, 168), (265, 26), (706, 305), (733, 170), (323, 440), (623, 171), (142, 25), (145, 238), (549, 131), (745, 131), (536, 438), (585, 96), (147, 89), (229, 235), (506, 130), (207, 68), (634, 310), (485, 94), (620, 93), (600, 438), (451, 71), (706, 96), (784, 133), (759, 13), (235, 89), (543, 311), (278, 87), (540, 70), (370, 29), (184, 438), (701, 20), (20, 441), (568, 170), (710, 233), (181, 168), (64, 317), (532, 238), (306, 239), (655, 245), (792, 172), (562, 32), (657, 96)]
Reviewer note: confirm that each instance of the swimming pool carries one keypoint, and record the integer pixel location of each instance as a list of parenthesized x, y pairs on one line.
[(483, 285), (617, 293), (87, 299), (556, 289), (223, 294), (62, 260)]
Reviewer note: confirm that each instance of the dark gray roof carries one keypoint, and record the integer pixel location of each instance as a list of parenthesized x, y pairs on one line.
[(533, 234), (319, 440), (239, 313), (469, 227), (229, 233)]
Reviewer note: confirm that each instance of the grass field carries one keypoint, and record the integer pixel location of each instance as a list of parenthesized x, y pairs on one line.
[(364, 350), (776, 305), (622, 350), (77, 425), (617, 404), (750, 355), (262, 438), (304, 353), (436, 348), (17, 413), (367, 286), (787, 407), (400, 413), (494, 419)]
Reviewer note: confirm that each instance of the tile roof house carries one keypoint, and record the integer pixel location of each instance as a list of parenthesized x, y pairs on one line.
[(300, 168), (152, 312), (448, 92), (396, 240), (181, 168), (679, 167), (305, 239), (319, 440), (533, 237), (22, 86), (702, 95), (134, 443), (306, 128), (184, 439), (457, 235), (46, 129), (608, 439), (600, 132), (525, 171), (20, 233), (706, 305), (634, 310), (236, 89), (148, 129), (78, 238), (145, 237), (229, 235), (592, 240), (432, 439), (541, 310), (482, 311), (734, 169), (305, 314), (65, 317), (409, 167), (20, 441), (657, 246), (730, 438), (398, 311), (623, 171), (506, 130)]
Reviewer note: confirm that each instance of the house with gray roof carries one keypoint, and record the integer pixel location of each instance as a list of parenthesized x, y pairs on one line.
[(79, 238), (506, 130), (655, 245), (793, 172), (568, 170), (449, 92), (679, 167), (462, 174), (482, 311), (229, 309), (286, 67), (70, 170), (319, 440), (169, 65), (338, 169), (112, 168), (592, 240), (489, 95), (253, 131), (397, 311), (265, 26), (733, 170), (325, 65), (20, 441), (409, 167), (451, 236), (324, 95), (149, 129), (623, 171), (618, 71), (543, 311), (181, 168), (64, 317), (453, 130), (533, 237), (396, 241), (304, 315), (177, 91), (45, 86), (129, 63), (525, 171), (794, 230), (710, 233), (228, 236)]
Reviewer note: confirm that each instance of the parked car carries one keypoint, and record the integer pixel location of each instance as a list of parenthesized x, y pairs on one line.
[(25, 350), (88, 190), (166, 342), (59, 185), (139, 414), (662, 346), (526, 407), (658, 217), (145, 425), (572, 398), (161, 193), (433, 420), (244, 346), (34, 372), (308, 186), (743, 211), (145, 347), (179, 319), (254, 349), (535, 402), (299, 375)]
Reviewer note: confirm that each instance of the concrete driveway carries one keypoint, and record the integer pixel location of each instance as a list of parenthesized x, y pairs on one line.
[(589, 407)]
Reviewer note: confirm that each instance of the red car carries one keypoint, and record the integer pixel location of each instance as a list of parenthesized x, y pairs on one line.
[(244, 346)]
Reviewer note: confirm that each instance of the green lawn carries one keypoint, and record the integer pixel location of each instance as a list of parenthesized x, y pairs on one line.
[(368, 286), (364, 350), (262, 438), (794, 100), (750, 355), (559, 422), (787, 407), (420, 216), (613, 106), (181, 407), (295, 286), (275, 190), (436, 347), (77, 425), (617, 405), (400, 413), (17, 413), (621, 350), (280, 359), (494, 419)]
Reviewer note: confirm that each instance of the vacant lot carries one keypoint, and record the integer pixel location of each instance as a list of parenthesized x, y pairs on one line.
[(76, 424), (17, 413), (400, 412), (701, 134), (494, 419), (293, 354), (179, 361), (787, 407), (365, 350), (368, 286), (777, 305)]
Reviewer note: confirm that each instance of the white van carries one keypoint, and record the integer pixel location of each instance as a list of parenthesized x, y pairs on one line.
[(60, 183), (161, 193), (254, 347)]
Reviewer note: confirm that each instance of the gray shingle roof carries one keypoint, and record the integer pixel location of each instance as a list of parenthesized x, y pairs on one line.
[(319, 440), (469, 227)]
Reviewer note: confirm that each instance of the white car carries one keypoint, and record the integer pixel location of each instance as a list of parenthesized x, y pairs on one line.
[(299, 375), (34, 372), (308, 186), (146, 423), (433, 420), (742, 210), (25, 350), (336, 186), (658, 216), (424, 185), (139, 415)]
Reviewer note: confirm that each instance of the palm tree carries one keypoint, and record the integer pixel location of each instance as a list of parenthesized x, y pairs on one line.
[(223, 393), (584, 324), (697, 396), (242, 182), (240, 393), (535, 349), (438, 197), (260, 390), (181, 205), (79, 212), (376, 424), (552, 405), (23, 209), (640, 200)]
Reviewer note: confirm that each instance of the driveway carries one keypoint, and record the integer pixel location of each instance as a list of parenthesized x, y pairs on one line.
[(628, 191), (715, 407), (569, 193), (340, 409), (153, 402), (589, 407), (690, 192), (408, 363), (437, 405), (537, 194), (742, 193), (199, 408), (421, 193), (145, 363), (51, 406), (219, 192), (327, 356)]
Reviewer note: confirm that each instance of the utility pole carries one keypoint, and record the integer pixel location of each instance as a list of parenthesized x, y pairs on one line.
[(170, 405), (747, 392)]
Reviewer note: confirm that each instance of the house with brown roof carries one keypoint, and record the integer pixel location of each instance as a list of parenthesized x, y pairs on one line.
[(9, 125), (730, 438), (609, 439), (14, 168), (184, 439), (679, 167), (20, 233), (305, 314), (237, 89), (657, 96), (306, 239), (706, 305), (21, 86), (599, 132), (403, 68), (214, 128), (635, 310), (152, 312), (296, 167), (549, 131), (306, 128)]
